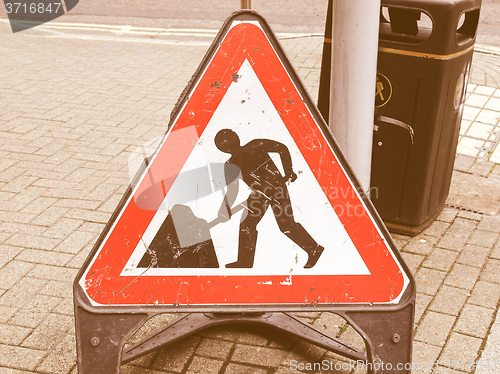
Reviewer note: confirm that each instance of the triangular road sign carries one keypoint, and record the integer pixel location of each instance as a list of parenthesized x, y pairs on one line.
[(247, 201)]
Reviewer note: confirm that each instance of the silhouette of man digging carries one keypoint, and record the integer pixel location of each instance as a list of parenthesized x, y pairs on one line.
[(268, 188)]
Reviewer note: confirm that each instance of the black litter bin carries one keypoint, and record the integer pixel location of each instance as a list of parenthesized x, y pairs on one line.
[(425, 52)]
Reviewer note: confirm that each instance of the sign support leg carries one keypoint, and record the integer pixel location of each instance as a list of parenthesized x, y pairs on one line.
[(100, 339), (388, 337)]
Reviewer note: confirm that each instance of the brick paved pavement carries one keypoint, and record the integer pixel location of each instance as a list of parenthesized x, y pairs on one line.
[(75, 107), (486, 71)]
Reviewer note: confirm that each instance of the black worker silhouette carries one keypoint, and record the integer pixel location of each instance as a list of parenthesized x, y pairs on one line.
[(268, 188)]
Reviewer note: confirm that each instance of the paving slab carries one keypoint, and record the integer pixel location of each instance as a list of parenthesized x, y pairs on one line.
[(490, 357)]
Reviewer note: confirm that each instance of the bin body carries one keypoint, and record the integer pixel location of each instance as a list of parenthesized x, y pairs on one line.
[(421, 82)]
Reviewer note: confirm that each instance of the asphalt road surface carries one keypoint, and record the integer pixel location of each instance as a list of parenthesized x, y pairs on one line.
[(304, 16), (299, 16), (283, 15)]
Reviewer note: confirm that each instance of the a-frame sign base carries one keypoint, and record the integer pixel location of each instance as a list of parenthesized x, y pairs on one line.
[(387, 333), (299, 234)]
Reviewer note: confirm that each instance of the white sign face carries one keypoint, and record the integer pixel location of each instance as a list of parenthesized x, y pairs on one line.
[(247, 106)]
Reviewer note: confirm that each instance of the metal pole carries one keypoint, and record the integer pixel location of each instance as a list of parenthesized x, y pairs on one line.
[(246, 4), (326, 67), (355, 25)]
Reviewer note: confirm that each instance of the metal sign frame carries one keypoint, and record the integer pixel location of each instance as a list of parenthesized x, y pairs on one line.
[(387, 329)]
